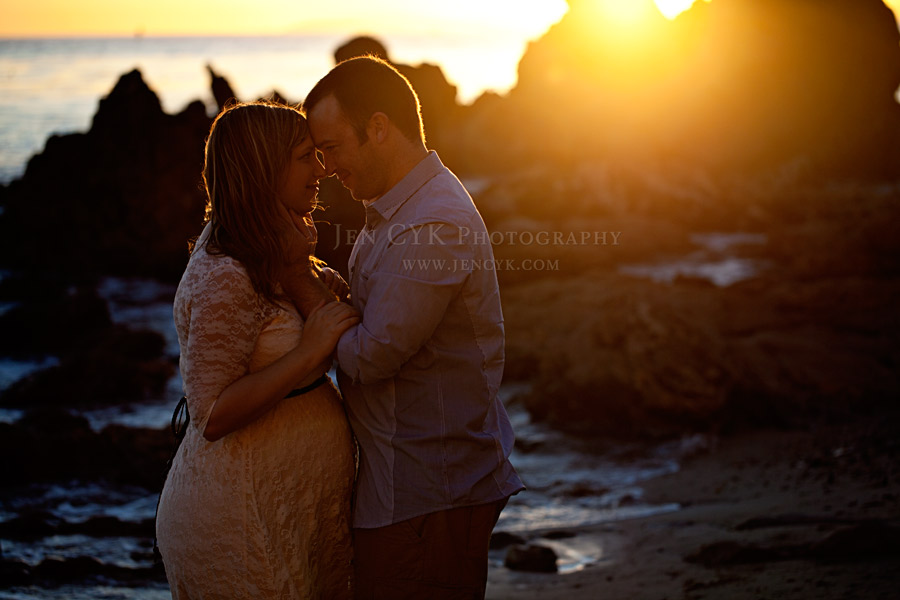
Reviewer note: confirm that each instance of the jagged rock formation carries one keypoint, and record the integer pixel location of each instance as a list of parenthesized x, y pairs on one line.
[(221, 89), (122, 198), (743, 85)]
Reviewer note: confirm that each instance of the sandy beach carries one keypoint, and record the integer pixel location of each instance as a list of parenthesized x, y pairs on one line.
[(768, 514)]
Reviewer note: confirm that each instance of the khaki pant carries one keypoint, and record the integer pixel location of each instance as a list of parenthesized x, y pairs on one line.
[(441, 556)]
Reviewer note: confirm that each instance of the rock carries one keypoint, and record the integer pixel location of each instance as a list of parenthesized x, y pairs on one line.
[(502, 539), (121, 199), (786, 520), (583, 490), (14, 572), (54, 571), (720, 554), (56, 323), (532, 557), (52, 445), (360, 46), (86, 568), (114, 365), (560, 534), (30, 525), (111, 527), (68, 570), (221, 89), (628, 358), (36, 524), (819, 93), (864, 541)]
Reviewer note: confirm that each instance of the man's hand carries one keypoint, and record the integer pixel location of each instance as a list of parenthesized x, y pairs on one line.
[(334, 282)]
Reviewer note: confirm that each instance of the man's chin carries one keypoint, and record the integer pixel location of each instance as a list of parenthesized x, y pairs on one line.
[(357, 195)]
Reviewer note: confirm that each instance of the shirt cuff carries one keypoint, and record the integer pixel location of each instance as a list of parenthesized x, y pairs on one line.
[(347, 354)]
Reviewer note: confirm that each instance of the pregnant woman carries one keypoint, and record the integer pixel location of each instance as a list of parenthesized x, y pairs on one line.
[(257, 502)]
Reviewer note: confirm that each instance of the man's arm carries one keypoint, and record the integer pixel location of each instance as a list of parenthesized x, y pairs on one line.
[(407, 297)]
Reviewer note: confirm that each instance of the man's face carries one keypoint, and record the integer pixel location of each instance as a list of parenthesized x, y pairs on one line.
[(354, 163)]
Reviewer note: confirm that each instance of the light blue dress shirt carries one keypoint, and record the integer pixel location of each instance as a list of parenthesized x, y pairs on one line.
[(421, 371)]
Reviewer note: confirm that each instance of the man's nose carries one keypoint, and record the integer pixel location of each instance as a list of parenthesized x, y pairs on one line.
[(319, 170), (327, 165)]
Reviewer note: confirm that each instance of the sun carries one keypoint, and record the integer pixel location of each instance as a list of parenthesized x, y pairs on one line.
[(672, 8), (630, 16), (621, 13)]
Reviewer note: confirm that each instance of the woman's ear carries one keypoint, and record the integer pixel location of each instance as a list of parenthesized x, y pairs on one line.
[(378, 126)]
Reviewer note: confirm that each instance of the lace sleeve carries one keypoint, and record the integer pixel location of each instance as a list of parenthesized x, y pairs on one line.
[(224, 324)]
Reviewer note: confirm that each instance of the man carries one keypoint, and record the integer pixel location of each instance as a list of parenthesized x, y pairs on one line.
[(420, 373)]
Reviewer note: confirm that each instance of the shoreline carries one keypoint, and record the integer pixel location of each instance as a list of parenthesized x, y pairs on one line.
[(764, 514)]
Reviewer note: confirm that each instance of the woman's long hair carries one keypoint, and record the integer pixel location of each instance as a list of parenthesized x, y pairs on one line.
[(247, 152)]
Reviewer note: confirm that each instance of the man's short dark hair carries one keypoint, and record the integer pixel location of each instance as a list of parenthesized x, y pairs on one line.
[(366, 85)]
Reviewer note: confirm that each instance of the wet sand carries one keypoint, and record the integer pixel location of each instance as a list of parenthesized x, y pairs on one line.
[(771, 514)]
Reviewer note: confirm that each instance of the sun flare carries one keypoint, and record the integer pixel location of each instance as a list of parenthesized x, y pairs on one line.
[(620, 13), (672, 8), (633, 17)]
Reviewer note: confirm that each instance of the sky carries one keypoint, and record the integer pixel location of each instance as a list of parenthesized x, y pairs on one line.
[(45, 18), (64, 18), (52, 18)]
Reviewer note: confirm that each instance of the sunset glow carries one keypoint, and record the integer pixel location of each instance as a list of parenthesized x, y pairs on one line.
[(894, 5), (672, 8), (623, 14), (49, 18), (46, 18)]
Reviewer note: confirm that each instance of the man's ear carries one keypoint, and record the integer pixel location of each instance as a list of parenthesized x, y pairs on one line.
[(378, 126)]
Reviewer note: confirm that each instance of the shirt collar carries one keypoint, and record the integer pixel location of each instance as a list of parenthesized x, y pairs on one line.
[(388, 204)]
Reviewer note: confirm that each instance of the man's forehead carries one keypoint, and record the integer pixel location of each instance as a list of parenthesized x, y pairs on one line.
[(326, 119), (326, 110)]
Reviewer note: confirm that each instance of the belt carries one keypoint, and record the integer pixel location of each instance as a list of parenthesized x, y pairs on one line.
[(308, 388)]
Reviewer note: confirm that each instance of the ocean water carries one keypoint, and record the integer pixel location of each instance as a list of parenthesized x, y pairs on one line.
[(54, 85), (714, 260)]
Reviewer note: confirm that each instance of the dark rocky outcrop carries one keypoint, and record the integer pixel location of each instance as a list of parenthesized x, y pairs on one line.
[(221, 89), (122, 198), (49, 319), (866, 541), (503, 539), (363, 45), (35, 524), (52, 445), (115, 365), (531, 557), (741, 85), (80, 569), (813, 336), (99, 362), (618, 357)]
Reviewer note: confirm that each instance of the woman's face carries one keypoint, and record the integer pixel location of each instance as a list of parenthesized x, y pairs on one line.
[(300, 182)]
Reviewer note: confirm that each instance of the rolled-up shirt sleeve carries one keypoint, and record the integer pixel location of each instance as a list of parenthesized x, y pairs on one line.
[(417, 276)]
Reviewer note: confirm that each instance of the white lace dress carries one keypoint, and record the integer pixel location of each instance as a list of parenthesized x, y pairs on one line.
[(263, 512)]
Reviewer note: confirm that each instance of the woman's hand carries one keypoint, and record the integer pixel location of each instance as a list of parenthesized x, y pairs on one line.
[(334, 282), (325, 325)]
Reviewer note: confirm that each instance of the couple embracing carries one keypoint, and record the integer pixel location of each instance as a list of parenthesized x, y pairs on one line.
[(285, 487)]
